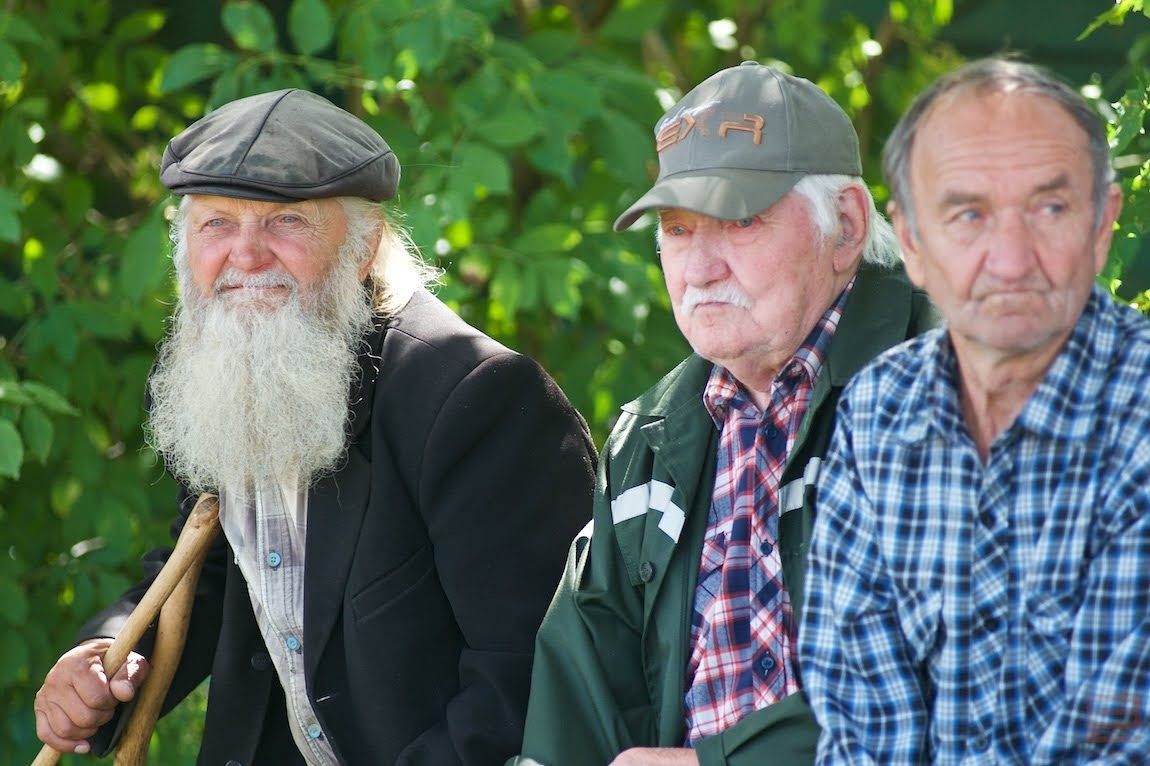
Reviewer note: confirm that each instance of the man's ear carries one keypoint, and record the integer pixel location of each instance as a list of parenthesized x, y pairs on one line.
[(1105, 232), (366, 267), (907, 242), (854, 215)]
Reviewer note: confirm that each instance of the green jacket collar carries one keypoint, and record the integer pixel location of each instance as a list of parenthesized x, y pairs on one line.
[(876, 317)]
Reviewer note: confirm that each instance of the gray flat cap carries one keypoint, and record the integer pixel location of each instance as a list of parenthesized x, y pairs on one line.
[(282, 146)]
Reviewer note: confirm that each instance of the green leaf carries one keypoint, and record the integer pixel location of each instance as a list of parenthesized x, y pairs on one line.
[(14, 27), (136, 26), (512, 126), (423, 37), (1131, 111), (14, 393), (250, 25), (38, 432), (478, 167), (10, 207), (48, 398), (13, 603), (14, 650), (561, 279), (11, 65), (568, 93), (194, 63), (310, 26), (11, 450), (621, 137), (629, 21), (548, 238), (102, 320), (14, 302), (144, 266)]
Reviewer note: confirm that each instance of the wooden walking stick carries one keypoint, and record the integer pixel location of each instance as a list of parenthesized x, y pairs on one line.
[(181, 570)]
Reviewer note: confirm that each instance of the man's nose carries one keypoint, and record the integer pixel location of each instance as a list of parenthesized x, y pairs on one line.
[(1011, 250), (250, 251), (705, 261)]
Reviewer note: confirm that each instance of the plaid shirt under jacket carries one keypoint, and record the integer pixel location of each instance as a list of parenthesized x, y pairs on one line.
[(742, 628), (958, 612)]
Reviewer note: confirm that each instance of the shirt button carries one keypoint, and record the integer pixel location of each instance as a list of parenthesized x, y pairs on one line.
[(767, 662), (766, 548), (314, 731), (233, 763), (293, 643), (274, 559), (261, 661), (646, 571)]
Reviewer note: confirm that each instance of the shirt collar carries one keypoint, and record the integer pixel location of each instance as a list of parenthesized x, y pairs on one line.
[(723, 389), (1061, 407)]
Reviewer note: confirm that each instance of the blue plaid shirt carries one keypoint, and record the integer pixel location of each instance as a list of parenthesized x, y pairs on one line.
[(958, 612)]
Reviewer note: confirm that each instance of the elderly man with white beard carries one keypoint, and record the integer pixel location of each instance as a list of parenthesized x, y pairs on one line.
[(397, 490)]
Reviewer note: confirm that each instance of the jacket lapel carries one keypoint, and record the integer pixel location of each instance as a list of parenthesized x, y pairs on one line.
[(335, 511)]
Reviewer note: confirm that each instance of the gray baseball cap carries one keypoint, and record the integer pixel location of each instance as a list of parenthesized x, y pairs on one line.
[(741, 139), (283, 146)]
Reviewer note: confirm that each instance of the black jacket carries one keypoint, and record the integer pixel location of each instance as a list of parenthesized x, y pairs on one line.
[(432, 556)]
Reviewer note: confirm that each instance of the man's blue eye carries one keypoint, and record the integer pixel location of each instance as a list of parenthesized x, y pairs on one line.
[(744, 223)]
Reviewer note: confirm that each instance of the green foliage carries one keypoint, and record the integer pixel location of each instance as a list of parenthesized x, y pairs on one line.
[(524, 128)]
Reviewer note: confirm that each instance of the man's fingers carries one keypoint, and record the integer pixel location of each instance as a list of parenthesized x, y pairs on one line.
[(57, 730)]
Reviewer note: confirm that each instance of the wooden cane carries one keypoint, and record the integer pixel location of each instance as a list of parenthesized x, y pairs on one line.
[(196, 537)]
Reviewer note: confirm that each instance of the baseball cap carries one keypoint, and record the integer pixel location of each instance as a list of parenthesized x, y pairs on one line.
[(741, 139), (283, 146)]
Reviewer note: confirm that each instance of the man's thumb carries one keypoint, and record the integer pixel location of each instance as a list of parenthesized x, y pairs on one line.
[(128, 678)]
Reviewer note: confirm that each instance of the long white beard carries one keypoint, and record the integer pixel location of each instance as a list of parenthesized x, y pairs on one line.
[(245, 395)]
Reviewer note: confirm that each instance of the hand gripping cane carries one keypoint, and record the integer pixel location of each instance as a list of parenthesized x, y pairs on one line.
[(170, 596)]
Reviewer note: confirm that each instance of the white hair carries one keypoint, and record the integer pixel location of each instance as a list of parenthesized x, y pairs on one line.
[(822, 191)]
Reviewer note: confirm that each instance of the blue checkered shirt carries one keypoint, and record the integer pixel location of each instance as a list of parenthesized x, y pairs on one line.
[(962, 612)]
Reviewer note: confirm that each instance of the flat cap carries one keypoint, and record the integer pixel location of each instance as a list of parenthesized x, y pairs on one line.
[(282, 146)]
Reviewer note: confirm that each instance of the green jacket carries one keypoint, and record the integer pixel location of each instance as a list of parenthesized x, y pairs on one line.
[(611, 655)]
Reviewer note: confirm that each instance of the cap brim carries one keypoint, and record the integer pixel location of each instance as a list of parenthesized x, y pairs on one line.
[(238, 192), (727, 193)]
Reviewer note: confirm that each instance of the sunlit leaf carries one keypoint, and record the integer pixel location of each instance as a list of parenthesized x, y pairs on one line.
[(250, 25), (1131, 110), (138, 25)]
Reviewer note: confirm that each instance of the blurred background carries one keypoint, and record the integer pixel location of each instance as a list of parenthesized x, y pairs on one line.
[(523, 126)]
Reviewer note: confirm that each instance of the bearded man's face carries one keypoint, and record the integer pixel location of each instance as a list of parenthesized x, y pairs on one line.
[(251, 385)]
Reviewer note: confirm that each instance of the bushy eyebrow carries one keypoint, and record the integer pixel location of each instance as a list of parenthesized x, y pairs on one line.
[(959, 198)]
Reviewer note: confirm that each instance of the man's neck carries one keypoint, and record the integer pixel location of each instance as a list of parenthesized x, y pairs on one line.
[(993, 390)]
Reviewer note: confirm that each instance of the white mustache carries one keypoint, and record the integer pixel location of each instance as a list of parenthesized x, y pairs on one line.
[(727, 293), (232, 278)]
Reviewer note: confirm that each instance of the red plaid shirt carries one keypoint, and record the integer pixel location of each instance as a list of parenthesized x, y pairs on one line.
[(742, 629)]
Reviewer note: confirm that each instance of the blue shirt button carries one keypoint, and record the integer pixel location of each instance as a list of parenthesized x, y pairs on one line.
[(767, 662), (274, 559), (293, 643), (314, 731)]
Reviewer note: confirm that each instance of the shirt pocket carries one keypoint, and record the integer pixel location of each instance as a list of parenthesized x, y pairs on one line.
[(394, 585), (874, 631)]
